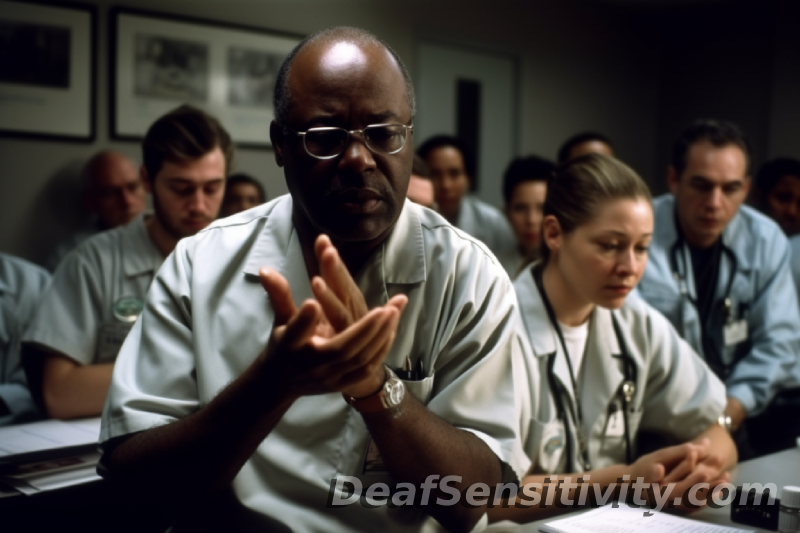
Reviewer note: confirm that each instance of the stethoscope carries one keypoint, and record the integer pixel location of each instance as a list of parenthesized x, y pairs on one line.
[(625, 391), (681, 276)]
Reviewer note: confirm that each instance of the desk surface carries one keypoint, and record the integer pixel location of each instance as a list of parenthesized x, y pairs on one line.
[(782, 468)]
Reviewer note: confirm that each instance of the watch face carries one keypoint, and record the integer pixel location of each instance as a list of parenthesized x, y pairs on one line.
[(396, 392)]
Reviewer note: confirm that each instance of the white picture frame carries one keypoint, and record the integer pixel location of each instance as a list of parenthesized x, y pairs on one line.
[(160, 62)]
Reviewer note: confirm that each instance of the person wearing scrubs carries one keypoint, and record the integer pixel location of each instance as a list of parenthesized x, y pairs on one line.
[(21, 287), (99, 288), (777, 193), (242, 192), (608, 366), (451, 166), (720, 272), (795, 244), (112, 193), (339, 332), (524, 189)]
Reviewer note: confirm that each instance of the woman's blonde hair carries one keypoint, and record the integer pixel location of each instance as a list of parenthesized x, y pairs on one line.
[(582, 185)]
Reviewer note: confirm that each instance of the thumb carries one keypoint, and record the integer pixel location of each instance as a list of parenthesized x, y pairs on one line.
[(280, 294)]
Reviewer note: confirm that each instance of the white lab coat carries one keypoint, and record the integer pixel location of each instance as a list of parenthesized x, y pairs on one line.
[(207, 317), (676, 394)]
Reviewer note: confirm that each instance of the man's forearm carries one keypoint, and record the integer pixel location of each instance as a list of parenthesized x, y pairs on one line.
[(415, 443), (199, 456), (71, 390)]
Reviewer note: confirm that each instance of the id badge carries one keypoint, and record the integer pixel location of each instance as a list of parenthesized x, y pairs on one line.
[(110, 337), (735, 332), (616, 424), (373, 462), (552, 446)]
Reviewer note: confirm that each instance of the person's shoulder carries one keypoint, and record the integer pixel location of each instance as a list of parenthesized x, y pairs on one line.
[(642, 318), (442, 237), (19, 275), (247, 217), (760, 225), (228, 237), (663, 203), (485, 210)]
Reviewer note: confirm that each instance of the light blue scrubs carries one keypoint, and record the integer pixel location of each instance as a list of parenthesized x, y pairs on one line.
[(21, 285), (759, 364), (795, 242), (487, 224)]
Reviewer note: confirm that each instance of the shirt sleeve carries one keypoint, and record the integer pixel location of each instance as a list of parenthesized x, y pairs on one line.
[(154, 376), (682, 396), (481, 380), (70, 312), (774, 331)]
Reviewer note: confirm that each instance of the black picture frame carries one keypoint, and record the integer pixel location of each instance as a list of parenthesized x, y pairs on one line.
[(159, 61), (48, 85)]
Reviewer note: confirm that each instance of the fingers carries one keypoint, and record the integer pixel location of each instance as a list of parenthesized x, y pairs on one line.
[(336, 313), (338, 278), (280, 295), (302, 325), (398, 301), (683, 469), (373, 353)]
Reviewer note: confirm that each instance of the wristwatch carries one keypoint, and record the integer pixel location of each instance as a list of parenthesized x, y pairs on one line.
[(725, 421), (389, 396)]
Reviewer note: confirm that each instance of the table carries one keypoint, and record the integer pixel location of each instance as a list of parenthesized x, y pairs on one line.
[(781, 468)]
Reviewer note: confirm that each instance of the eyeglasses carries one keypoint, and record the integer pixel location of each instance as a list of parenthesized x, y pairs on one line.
[(380, 139)]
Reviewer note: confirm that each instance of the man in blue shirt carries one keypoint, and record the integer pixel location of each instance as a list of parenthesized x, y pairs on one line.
[(720, 272)]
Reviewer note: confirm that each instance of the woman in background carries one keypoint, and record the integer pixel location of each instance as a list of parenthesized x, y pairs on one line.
[(609, 367), (524, 190)]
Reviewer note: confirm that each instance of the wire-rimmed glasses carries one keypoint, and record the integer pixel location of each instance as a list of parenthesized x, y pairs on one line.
[(330, 142)]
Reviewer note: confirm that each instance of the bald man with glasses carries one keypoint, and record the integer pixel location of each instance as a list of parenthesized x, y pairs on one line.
[(337, 331)]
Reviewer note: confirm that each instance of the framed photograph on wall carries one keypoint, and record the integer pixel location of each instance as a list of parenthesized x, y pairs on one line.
[(159, 62), (47, 70)]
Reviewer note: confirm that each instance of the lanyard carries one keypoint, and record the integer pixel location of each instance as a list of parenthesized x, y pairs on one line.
[(715, 360), (577, 414), (627, 390)]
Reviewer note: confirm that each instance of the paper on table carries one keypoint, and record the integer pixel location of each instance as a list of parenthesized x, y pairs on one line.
[(624, 519), (54, 474), (48, 434)]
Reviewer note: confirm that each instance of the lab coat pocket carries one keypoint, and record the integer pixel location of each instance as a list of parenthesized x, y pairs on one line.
[(420, 389), (548, 441)]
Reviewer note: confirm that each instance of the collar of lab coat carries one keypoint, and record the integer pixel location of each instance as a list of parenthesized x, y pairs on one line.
[(737, 235), (139, 253), (602, 371), (400, 259)]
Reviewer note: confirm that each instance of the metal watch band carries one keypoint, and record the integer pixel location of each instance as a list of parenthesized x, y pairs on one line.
[(388, 396)]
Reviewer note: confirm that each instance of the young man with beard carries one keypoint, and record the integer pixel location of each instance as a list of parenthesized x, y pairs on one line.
[(99, 289)]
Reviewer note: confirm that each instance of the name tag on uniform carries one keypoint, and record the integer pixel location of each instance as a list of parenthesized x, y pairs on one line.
[(552, 446), (110, 337), (616, 424), (735, 332)]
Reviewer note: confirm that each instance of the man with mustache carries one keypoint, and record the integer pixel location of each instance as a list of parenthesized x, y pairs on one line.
[(99, 288), (382, 349), (719, 271)]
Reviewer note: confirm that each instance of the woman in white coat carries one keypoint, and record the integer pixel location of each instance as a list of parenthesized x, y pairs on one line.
[(606, 365)]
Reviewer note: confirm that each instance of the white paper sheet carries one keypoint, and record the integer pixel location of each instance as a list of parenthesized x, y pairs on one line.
[(48, 434), (624, 519)]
